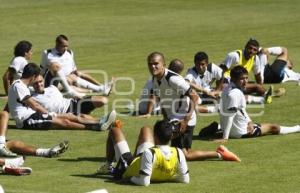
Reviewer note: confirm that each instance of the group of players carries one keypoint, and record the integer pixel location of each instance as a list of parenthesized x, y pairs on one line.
[(31, 90)]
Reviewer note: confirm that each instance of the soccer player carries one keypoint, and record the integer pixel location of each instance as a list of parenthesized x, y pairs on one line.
[(178, 101), (153, 161), (281, 69), (250, 61), (234, 119), (28, 113), (59, 62), (22, 54)]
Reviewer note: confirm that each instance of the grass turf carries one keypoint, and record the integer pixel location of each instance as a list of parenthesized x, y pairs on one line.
[(116, 36)]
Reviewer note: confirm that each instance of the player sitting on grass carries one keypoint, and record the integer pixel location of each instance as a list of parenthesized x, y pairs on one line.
[(234, 119), (154, 160), (28, 113)]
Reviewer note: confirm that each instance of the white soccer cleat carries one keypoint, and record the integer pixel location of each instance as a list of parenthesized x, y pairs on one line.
[(58, 149), (17, 171), (107, 120), (6, 152)]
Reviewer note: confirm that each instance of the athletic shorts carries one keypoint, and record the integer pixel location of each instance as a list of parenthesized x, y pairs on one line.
[(38, 121), (275, 72), (256, 131), (49, 79), (184, 140), (84, 106), (124, 161)]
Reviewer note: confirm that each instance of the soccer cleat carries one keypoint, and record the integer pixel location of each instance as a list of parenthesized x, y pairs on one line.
[(279, 92), (107, 120), (17, 171), (108, 87), (58, 149), (227, 155), (268, 95), (106, 168), (4, 152)]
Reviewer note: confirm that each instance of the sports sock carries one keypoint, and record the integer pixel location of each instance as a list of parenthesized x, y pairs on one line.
[(64, 81), (86, 84), (211, 109), (290, 75), (219, 156), (42, 152), (275, 50), (287, 130), (2, 139), (255, 99)]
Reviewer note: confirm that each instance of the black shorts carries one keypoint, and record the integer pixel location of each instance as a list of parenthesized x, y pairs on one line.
[(50, 79), (256, 131), (124, 161), (84, 106), (275, 72), (184, 140), (38, 121)]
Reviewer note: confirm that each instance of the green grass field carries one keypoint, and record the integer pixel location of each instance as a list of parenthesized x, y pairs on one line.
[(116, 36)]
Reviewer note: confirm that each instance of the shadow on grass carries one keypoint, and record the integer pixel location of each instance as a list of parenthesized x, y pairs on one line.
[(80, 159)]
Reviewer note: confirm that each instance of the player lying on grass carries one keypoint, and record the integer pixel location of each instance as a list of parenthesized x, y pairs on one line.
[(13, 148), (28, 113), (234, 120), (154, 160)]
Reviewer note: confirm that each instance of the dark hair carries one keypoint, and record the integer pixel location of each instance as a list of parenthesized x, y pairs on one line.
[(60, 38), (22, 47), (252, 42), (199, 56), (237, 71), (176, 65), (153, 54), (31, 69), (163, 131)]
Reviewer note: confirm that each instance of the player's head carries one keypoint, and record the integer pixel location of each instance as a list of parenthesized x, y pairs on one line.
[(61, 43), (251, 48), (176, 65), (23, 48), (163, 132), (38, 84), (201, 62), (156, 64), (239, 76), (31, 71)]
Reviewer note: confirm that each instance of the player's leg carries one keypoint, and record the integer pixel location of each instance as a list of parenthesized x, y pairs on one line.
[(4, 151), (145, 140), (269, 128)]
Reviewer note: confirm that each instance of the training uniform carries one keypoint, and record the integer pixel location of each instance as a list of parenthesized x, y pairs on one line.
[(66, 61), (18, 63), (23, 115), (233, 115), (157, 164), (237, 58), (172, 91), (53, 100), (144, 99)]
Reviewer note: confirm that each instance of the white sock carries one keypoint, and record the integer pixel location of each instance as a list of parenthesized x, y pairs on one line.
[(42, 152), (2, 140), (290, 75), (287, 130), (219, 155), (211, 109), (15, 162), (64, 81), (88, 85), (255, 99), (275, 50), (121, 148)]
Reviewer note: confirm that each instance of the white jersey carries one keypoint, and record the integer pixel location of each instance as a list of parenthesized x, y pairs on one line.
[(52, 100), (144, 98), (172, 90), (66, 60), (17, 93), (18, 63), (212, 73), (233, 97)]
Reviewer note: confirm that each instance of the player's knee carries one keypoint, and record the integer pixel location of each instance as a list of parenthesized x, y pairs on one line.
[(275, 129)]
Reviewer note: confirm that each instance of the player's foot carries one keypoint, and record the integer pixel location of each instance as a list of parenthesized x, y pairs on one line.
[(14, 162), (227, 155), (268, 95), (4, 152), (106, 168), (279, 92), (108, 87), (106, 121), (17, 171), (58, 149)]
